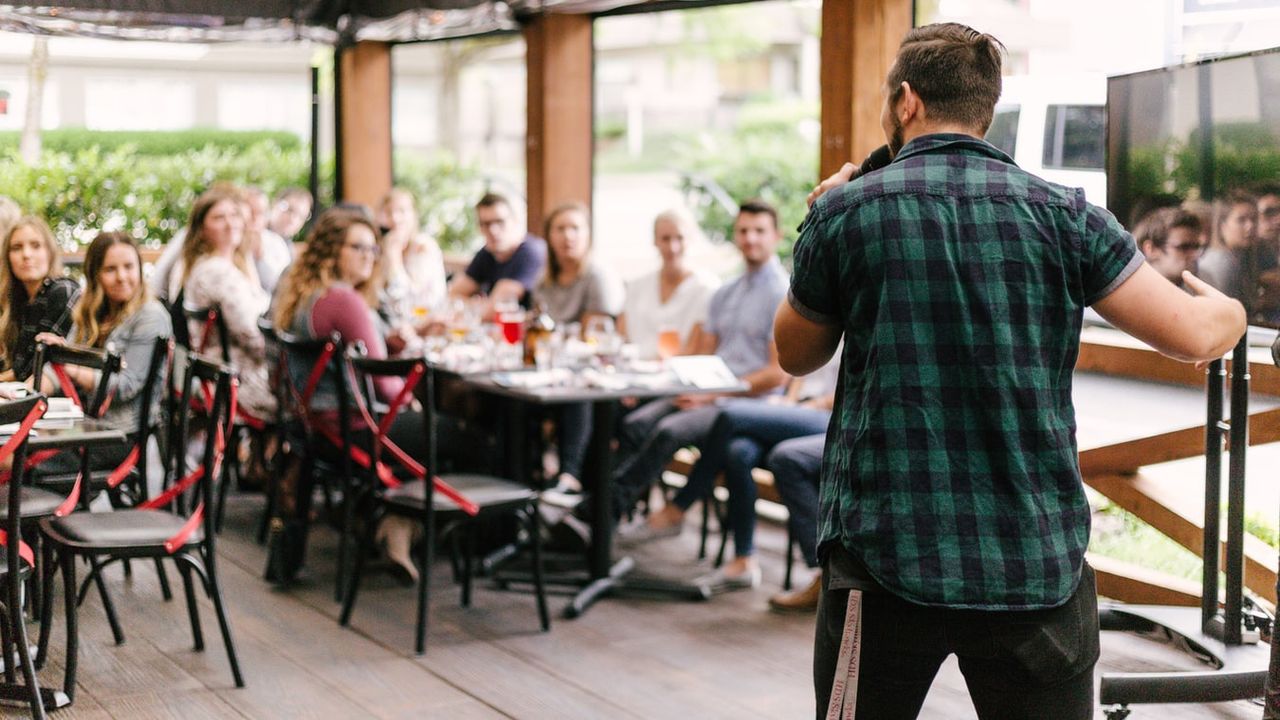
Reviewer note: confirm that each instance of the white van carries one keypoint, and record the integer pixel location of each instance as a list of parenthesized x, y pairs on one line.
[(1055, 127)]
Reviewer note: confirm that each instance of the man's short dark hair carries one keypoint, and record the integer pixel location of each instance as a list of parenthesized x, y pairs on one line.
[(492, 199), (1264, 189), (954, 69), (1157, 225), (756, 206)]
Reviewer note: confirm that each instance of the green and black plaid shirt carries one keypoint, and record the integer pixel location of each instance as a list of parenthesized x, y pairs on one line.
[(959, 281)]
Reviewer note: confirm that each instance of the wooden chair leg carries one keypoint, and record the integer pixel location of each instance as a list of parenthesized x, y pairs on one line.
[(48, 565), (18, 633), (353, 584)]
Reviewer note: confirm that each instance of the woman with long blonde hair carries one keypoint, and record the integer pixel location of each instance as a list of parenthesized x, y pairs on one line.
[(35, 298), (115, 311)]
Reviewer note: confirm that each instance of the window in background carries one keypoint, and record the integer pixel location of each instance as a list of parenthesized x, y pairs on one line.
[(1074, 136)]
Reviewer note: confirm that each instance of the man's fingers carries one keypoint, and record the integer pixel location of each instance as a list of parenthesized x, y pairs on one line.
[(1200, 287), (840, 177)]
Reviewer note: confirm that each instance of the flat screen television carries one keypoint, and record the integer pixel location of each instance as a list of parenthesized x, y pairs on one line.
[(1203, 139)]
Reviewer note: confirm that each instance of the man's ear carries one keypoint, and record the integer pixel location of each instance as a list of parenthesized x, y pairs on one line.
[(909, 105)]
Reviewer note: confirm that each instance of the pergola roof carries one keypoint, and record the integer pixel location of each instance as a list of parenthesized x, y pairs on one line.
[(321, 20)]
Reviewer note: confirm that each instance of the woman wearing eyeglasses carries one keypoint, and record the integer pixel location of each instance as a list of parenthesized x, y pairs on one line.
[(217, 271), (334, 287)]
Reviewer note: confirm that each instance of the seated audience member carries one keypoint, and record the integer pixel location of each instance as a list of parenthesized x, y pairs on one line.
[(574, 290), (115, 311), (35, 298), (511, 261), (290, 212), (672, 299), (334, 288), (1268, 303), (166, 275), (1232, 264), (742, 435), (1170, 238), (270, 252), (740, 331), (217, 271), (412, 264)]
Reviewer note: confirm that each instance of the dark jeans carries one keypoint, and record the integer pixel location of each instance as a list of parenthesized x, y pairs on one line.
[(650, 435), (573, 435), (1017, 664), (743, 433), (796, 465)]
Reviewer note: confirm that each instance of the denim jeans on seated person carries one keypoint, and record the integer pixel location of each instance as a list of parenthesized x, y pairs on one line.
[(742, 435), (649, 436), (796, 464)]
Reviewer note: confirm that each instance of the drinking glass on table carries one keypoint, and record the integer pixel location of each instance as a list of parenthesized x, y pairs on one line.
[(510, 319), (668, 342), (598, 328)]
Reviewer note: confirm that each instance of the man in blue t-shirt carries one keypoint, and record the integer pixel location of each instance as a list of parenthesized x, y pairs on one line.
[(511, 261)]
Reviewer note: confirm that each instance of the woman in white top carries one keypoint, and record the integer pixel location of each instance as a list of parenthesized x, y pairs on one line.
[(674, 298), (413, 265)]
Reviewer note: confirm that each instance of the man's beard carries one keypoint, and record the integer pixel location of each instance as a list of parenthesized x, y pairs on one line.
[(895, 138)]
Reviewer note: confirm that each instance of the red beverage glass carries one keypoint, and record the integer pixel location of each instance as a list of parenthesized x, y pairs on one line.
[(512, 325)]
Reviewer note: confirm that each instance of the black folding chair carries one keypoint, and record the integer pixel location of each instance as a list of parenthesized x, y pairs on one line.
[(463, 500), (213, 327), (19, 558), (176, 524)]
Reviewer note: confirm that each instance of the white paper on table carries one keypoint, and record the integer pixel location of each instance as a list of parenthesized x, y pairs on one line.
[(702, 371)]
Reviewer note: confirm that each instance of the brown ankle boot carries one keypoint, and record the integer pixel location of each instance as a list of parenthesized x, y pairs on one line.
[(804, 600)]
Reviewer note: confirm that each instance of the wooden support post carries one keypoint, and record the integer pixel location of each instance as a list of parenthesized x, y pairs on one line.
[(364, 126), (860, 39), (559, 131)]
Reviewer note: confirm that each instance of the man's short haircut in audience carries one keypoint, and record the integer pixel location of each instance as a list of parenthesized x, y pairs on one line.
[(756, 206), (1157, 225), (492, 199)]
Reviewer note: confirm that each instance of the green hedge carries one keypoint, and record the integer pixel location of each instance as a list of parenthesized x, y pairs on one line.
[(146, 142), (150, 196)]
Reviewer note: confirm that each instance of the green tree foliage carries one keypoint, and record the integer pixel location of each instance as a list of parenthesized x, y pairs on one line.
[(768, 156), (149, 194)]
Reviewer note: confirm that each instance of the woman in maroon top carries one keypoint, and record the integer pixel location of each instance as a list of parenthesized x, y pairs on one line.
[(333, 287)]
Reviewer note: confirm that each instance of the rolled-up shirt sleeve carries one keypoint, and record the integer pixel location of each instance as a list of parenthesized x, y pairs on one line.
[(815, 272)]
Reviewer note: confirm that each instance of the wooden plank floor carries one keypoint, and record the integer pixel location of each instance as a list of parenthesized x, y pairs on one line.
[(626, 658)]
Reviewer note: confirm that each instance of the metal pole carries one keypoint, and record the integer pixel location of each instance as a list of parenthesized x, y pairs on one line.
[(1213, 429), (1235, 492), (313, 182)]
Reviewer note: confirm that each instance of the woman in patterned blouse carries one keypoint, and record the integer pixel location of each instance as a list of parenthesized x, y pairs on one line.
[(217, 271), (35, 297)]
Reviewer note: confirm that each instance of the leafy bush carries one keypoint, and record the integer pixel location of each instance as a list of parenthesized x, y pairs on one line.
[(763, 162), (146, 142), (446, 191), (150, 196)]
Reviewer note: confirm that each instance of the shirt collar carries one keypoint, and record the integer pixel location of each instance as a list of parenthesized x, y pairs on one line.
[(936, 142), (769, 265)]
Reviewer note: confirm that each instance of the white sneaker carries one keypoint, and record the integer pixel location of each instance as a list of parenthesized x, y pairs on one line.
[(567, 492), (718, 580), (641, 532)]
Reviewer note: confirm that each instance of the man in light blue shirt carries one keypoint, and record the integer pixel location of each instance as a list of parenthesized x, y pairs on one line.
[(740, 331)]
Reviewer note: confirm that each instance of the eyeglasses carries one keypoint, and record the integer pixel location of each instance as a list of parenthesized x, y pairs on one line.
[(1188, 248), (370, 250)]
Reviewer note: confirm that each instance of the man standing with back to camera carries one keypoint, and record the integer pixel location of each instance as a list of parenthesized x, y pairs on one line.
[(953, 516)]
